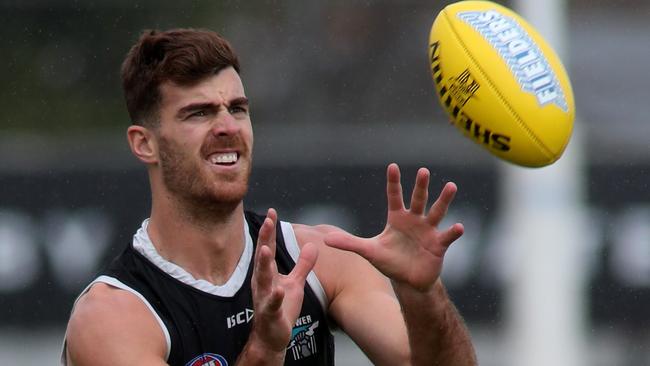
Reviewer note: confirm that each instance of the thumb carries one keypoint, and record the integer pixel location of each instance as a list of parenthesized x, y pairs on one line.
[(306, 262), (346, 241)]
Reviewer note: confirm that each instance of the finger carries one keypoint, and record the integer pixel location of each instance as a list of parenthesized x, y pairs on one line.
[(267, 232), (440, 207), (263, 238), (264, 235), (420, 193), (452, 234), (345, 241), (263, 271), (306, 262), (394, 188), (273, 215)]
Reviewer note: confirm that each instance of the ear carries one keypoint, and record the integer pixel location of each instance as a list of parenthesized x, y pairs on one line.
[(143, 144)]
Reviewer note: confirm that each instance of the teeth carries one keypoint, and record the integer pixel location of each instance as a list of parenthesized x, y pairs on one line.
[(223, 158)]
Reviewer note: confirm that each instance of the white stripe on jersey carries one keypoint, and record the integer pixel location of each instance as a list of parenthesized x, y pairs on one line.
[(291, 243)]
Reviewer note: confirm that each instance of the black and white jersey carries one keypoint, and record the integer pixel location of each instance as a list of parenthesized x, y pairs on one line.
[(206, 324)]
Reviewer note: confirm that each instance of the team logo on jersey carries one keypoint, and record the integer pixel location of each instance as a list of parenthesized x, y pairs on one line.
[(208, 359), (303, 338)]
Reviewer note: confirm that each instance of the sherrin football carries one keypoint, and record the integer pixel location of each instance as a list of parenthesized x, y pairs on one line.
[(502, 85)]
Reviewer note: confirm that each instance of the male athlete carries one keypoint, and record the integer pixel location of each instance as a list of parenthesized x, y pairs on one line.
[(205, 282)]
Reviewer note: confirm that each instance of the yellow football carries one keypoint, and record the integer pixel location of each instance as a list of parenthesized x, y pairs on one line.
[(500, 82)]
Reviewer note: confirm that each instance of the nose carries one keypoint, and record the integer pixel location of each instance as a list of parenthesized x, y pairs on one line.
[(225, 124)]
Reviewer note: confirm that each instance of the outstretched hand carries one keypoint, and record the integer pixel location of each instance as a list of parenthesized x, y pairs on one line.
[(411, 248), (277, 298)]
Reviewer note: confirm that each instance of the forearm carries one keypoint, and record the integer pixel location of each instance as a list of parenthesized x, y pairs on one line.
[(254, 353), (437, 334)]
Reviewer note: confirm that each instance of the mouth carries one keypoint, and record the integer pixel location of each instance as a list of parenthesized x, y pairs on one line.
[(224, 158)]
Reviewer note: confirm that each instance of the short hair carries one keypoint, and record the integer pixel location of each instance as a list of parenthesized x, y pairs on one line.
[(182, 56)]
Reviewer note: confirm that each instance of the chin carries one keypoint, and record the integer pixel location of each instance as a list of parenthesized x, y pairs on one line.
[(229, 192), (230, 196)]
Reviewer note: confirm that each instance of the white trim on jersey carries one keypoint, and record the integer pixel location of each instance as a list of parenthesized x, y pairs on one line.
[(114, 282), (291, 244), (142, 243)]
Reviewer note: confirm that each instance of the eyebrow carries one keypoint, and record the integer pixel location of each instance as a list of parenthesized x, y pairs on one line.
[(209, 105), (238, 101)]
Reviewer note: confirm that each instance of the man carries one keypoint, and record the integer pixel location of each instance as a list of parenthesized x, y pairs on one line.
[(206, 283)]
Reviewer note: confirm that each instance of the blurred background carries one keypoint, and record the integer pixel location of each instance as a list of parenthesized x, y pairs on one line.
[(338, 90)]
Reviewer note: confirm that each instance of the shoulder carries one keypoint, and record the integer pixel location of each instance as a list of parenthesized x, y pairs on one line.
[(316, 234), (117, 322), (105, 301), (313, 232)]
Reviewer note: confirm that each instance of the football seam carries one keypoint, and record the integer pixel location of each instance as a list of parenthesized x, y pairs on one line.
[(549, 154)]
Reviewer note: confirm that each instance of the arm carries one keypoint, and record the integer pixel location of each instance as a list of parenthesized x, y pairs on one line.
[(361, 299), (410, 252), (110, 326), (450, 344)]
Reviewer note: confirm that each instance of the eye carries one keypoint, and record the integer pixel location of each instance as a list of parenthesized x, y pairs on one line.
[(197, 114), (237, 109)]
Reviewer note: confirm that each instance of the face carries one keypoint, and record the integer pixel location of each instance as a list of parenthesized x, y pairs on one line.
[(205, 141)]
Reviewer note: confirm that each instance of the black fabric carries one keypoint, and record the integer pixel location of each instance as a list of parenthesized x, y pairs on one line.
[(207, 328)]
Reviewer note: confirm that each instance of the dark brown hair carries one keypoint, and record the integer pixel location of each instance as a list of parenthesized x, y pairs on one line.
[(182, 56)]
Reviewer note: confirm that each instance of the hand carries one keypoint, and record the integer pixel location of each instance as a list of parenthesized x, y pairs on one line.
[(277, 298), (411, 248)]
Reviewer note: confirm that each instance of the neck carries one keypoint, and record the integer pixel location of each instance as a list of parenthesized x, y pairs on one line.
[(206, 242)]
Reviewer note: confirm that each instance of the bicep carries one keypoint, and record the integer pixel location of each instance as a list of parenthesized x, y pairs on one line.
[(372, 318), (360, 299), (113, 327)]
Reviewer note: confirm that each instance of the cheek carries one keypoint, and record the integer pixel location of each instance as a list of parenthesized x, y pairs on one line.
[(247, 133), (176, 149), (191, 140)]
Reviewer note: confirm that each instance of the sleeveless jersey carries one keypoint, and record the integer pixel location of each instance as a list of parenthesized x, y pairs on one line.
[(209, 325)]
